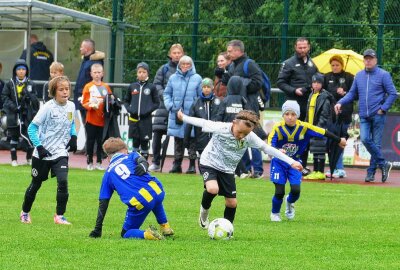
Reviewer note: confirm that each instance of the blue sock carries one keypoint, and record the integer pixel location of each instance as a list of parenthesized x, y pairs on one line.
[(134, 233), (276, 205)]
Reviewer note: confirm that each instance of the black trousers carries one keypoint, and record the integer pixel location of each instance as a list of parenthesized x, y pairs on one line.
[(94, 134), (156, 145)]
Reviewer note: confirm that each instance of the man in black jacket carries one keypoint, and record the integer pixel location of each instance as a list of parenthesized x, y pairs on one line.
[(252, 83), (294, 78)]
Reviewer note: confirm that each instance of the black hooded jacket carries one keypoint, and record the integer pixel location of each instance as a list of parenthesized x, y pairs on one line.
[(234, 102), (23, 106), (41, 59)]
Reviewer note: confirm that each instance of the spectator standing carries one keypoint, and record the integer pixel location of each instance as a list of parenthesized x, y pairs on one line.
[(338, 82), (320, 113), (221, 75), (56, 70), (252, 84), (89, 57), (140, 101), (206, 107), (294, 79), (182, 89), (20, 104), (374, 89), (93, 100), (160, 119), (1, 88), (40, 60)]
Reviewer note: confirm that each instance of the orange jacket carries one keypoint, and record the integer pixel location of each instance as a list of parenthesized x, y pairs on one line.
[(93, 95)]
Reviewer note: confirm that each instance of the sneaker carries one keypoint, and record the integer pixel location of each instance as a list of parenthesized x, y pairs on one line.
[(257, 175), (315, 176), (99, 167), (370, 177), (275, 217), (328, 174), (14, 163), (25, 218), (289, 212), (60, 219), (152, 234), (166, 230), (244, 175), (203, 218), (339, 173), (154, 168), (90, 167), (29, 162), (386, 171), (306, 171)]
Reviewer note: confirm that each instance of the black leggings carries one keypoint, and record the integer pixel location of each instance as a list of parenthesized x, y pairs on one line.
[(94, 135)]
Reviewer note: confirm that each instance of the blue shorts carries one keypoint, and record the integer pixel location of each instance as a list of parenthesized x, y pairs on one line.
[(281, 172)]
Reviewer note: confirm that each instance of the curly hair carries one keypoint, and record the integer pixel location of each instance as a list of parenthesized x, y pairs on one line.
[(250, 118), (53, 84), (113, 145)]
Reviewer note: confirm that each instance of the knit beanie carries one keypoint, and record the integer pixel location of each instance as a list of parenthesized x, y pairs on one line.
[(291, 105), (144, 66), (318, 77)]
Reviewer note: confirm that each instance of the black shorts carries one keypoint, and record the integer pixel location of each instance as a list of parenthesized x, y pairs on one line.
[(41, 168), (141, 130), (226, 181)]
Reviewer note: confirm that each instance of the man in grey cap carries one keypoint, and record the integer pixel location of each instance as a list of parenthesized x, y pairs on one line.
[(374, 89)]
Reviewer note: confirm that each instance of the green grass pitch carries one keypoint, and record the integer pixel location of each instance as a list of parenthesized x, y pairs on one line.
[(336, 227)]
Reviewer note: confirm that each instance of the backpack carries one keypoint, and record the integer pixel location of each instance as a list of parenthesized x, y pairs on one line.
[(265, 91)]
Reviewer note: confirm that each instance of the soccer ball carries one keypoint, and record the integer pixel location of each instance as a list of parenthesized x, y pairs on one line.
[(220, 229)]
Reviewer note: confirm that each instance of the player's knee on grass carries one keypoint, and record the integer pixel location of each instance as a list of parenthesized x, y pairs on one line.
[(123, 233)]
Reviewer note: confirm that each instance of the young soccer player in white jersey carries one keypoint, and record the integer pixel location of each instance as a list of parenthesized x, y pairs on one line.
[(53, 133), (221, 156)]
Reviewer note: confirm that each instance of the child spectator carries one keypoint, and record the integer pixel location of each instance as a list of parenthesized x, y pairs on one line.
[(292, 137), (20, 104), (140, 101), (206, 107), (56, 70), (53, 133), (319, 113), (93, 97)]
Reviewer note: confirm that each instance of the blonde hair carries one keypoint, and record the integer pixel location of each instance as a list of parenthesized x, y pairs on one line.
[(113, 145), (249, 117), (176, 46), (53, 84), (96, 65), (57, 66)]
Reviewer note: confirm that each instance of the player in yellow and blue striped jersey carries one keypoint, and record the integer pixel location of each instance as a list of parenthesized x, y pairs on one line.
[(292, 137), (142, 193)]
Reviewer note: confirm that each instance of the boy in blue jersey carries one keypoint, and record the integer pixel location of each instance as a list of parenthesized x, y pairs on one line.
[(292, 137), (127, 174), (52, 132)]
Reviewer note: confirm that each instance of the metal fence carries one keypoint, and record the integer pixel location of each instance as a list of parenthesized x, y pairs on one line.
[(267, 28)]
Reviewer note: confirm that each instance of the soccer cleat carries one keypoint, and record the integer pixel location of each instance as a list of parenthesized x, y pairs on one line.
[(166, 230), (154, 168), (339, 173), (244, 175), (14, 163), (25, 218), (386, 171), (289, 212), (99, 167), (29, 162), (275, 217), (90, 167), (203, 218), (60, 219), (370, 177), (152, 234)]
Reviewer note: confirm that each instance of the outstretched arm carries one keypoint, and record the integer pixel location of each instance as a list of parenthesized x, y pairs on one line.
[(103, 206)]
